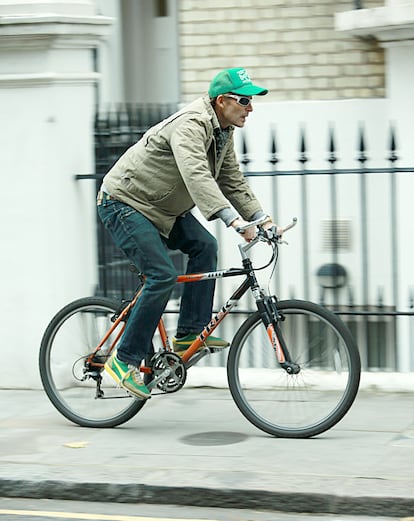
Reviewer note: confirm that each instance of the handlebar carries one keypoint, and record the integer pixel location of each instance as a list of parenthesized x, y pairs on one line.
[(250, 224), (263, 220), (271, 235)]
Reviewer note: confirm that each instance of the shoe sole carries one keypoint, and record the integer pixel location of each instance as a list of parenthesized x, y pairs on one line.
[(135, 392)]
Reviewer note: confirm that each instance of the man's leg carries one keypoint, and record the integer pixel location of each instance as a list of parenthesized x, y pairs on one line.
[(143, 245), (189, 236)]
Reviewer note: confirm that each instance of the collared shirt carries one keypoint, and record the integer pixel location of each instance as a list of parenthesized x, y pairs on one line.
[(221, 136)]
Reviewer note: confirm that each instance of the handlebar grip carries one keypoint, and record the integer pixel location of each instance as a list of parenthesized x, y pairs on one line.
[(291, 225), (251, 224), (261, 221)]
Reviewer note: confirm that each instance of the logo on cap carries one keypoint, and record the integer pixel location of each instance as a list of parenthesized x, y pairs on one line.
[(244, 77)]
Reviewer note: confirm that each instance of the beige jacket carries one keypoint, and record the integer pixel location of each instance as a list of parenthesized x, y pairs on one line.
[(174, 167)]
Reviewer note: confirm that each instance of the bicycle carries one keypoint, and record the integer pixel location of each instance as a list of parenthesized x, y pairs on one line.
[(293, 367)]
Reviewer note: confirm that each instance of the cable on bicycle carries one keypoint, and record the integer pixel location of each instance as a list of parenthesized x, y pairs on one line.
[(275, 256)]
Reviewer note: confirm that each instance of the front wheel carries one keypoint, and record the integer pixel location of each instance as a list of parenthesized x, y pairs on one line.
[(85, 395), (324, 387)]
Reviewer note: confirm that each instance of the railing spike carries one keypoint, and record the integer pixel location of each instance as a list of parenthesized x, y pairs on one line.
[(361, 145), (380, 297), (393, 146), (302, 147), (245, 158), (273, 149), (322, 296), (332, 156), (350, 296)]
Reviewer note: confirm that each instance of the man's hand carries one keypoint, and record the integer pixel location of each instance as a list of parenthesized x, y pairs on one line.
[(249, 234), (273, 229)]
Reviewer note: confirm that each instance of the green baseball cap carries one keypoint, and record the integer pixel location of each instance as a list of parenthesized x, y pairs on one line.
[(234, 80)]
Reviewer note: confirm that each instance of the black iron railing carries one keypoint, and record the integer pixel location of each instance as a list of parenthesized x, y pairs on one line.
[(115, 131), (372, 319)]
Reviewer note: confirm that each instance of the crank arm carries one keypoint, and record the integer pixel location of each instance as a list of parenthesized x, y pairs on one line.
[(165, 374)]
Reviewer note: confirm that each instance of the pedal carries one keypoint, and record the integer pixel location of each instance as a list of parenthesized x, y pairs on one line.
[(216, 349)]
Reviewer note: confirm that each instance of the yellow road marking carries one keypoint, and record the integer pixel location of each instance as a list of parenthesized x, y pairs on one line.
[(76, 444), (90, 517)]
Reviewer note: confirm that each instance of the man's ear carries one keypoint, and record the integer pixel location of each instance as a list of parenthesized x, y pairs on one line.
[(220, 100)]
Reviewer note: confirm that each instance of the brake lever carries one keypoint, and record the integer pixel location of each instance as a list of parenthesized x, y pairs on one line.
[(278, 238), (271, 235)]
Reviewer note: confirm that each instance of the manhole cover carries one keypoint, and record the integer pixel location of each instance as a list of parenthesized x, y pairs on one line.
[(214, 438)]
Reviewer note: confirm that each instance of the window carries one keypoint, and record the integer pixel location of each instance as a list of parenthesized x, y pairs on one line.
[(161, 8)]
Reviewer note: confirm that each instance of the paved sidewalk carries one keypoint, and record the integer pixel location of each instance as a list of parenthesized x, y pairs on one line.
[(194, 447)]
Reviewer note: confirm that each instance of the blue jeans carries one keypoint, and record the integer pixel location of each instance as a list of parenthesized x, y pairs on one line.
[(142, 243)]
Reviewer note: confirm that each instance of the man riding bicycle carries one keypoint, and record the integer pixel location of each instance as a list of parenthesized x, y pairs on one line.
[(145, 200)]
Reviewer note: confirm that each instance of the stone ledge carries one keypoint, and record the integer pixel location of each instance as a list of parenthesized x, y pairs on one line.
[(392, 23), (66, 31), (19, 80), (55, 19)]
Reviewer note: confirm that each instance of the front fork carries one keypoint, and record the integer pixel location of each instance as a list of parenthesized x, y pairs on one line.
[(272, 318)]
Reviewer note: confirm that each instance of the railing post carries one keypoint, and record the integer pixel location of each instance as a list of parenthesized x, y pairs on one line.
[(362, 158), (394, 220), (303, 159), (275, 188), (334, 206)]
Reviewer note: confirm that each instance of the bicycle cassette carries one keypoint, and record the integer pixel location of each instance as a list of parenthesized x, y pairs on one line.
[(168, 372)]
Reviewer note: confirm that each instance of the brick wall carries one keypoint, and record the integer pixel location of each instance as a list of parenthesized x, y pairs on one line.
[(289, 46)]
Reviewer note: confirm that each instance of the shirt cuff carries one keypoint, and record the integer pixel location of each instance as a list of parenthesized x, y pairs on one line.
[(258, 215), (227, 215)]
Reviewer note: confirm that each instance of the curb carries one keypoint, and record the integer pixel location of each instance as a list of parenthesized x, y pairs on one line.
[(309, 503)]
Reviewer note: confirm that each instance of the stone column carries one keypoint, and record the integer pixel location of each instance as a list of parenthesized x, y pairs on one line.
[(47, 102)]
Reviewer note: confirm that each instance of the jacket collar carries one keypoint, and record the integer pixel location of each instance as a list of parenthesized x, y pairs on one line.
[(212, 114)]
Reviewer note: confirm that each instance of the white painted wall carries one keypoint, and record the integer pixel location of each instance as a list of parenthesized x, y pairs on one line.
[(47, 100)]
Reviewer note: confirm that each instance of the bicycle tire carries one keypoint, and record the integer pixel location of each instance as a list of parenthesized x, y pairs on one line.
[(70, 337), (295, 405)]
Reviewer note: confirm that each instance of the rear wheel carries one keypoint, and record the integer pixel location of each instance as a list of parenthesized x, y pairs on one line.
[(84, 394), (326, 382)]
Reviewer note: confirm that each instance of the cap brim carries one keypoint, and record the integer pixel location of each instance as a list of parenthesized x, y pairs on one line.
[(250, 90)]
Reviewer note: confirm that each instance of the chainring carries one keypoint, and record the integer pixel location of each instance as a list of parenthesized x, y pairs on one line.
[(178, 373)]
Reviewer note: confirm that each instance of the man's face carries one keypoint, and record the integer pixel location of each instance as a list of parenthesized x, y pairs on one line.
[(229, 110)]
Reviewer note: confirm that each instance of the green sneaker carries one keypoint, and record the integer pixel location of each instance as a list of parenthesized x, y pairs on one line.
[(127, 376), (181, 344)]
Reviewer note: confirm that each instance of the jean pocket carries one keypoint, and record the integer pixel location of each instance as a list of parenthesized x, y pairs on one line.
[(108, 212), (125, 212)]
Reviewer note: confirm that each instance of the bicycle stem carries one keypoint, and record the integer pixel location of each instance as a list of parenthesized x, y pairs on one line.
[(245, 247)]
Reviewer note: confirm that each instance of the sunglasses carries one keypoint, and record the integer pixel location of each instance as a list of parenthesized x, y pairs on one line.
[(241, 100)]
